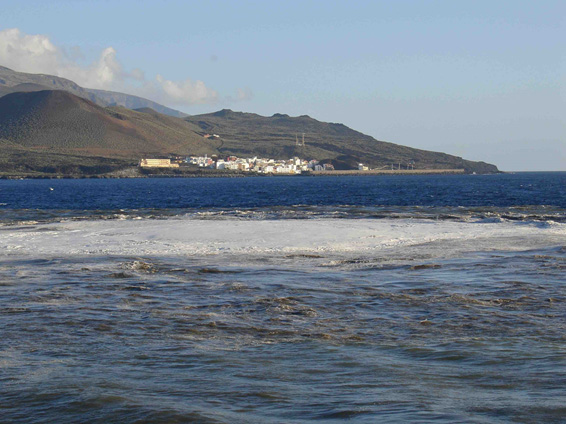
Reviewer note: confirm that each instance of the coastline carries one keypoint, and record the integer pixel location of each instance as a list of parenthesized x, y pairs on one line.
[(391, 172), (213, 173)]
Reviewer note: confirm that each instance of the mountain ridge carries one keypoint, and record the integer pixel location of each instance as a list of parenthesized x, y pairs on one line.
[(129, 101), (10, 79)]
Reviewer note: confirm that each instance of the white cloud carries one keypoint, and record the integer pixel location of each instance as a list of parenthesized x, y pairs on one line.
[(28, 53), (106, 71), (187, 90), (37, 54)]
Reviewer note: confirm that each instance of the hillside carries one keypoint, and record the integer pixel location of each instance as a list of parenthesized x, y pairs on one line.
[(16, 160), (12, 81), (58, 121), (248, 134)]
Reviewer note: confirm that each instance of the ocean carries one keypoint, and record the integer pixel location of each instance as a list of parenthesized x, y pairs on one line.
[(284, 299)]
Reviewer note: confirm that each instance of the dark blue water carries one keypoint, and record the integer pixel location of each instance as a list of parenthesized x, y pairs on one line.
[(523, 196), (425, 190)]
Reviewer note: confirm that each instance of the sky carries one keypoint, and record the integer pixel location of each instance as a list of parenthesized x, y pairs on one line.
[(485, 80)]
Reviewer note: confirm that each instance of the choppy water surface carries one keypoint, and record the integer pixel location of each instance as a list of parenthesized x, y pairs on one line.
[(399, 332)]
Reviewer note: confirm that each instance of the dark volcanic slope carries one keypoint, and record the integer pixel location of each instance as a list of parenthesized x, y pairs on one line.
[(62, 122), (12, 81), (275, 136)]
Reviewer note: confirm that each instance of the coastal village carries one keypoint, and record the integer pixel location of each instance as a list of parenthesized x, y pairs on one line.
[(292, 166)]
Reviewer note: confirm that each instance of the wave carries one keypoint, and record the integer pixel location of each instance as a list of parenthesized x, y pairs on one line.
[(358, 243), (532, 213)]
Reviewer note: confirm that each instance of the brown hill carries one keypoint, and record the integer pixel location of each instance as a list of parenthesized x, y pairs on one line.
[(62, 122), (246, 134)]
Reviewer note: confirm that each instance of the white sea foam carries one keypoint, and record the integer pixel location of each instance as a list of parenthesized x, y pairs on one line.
[(273, 238)]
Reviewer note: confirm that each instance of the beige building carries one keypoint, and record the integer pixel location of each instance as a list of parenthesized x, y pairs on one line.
[(158, 163)]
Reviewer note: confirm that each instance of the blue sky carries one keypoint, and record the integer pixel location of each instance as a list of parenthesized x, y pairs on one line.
[(485, 80)]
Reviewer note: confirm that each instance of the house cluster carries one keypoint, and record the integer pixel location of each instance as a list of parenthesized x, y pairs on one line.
[(260, 165)]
